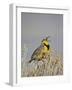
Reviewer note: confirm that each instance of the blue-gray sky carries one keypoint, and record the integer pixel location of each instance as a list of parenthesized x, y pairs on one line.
[(36, 26)]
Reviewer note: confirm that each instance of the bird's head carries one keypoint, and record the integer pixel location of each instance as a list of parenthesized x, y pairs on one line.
[(45, 41)]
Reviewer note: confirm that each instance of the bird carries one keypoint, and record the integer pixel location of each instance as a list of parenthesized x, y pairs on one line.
[(42, 51)]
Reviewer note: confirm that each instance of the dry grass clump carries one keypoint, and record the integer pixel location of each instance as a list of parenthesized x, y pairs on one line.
[(46, 67)]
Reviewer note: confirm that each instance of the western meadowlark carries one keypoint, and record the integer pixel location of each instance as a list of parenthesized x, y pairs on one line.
[(42, 51)]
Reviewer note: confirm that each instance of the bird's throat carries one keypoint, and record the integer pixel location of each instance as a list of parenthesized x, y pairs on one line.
[(48, 46)]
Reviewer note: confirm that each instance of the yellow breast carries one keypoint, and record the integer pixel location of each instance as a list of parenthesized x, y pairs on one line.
[(45, 49)]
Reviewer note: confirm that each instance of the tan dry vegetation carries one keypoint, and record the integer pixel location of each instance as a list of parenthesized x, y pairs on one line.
[(45, 67)]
